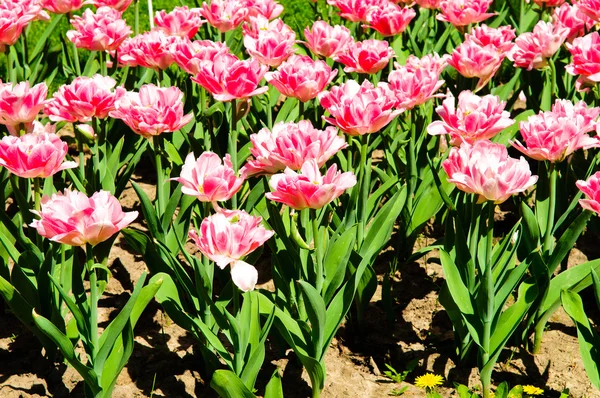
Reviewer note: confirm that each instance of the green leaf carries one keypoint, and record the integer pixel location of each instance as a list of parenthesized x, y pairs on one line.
[(149, 213), (288, 112), (43, 39), (567, 240), (456, 286), (274, 388), (315, 307), (531, 230), (336, 261), (228, 385), (82, 325)]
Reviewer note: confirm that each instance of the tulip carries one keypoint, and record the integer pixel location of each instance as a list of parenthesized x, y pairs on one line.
[(227, 78), (300, 77), (430, 62), (189, 55), (473, 60), (416, 82), (359, 109), (485, 169), (269, 42), (326, 40), (269, 9), (476, 118), (225, 15), (356, 10), (15, 16), (430, 4), (74, 219), (548, 3), (103, 31), (182, 21), (556, 134), (152, 49), (291, 145), (591, 189), (532, 49), (464, 12), (500, 38), (33, 155), (309, 189), (119, 5), (152, 111), (369, 56), (208, 179), (591, 8), (20, 104), (389, 19), (62, 6), (572, 18), (85, 98), (586, 60)]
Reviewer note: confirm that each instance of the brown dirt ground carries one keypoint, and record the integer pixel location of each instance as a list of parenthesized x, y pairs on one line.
[(165, 364)]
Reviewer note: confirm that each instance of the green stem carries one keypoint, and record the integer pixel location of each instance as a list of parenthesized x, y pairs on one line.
[(412, 162), (11, 73), (233, 141), (150, 14), (488, 285), (136, 24), (93, 303), (102, 61), (300, 110), (37, 193), (318, 250), (474, 238), (364, 188), (160, 200), (552, 174), (76, 58)]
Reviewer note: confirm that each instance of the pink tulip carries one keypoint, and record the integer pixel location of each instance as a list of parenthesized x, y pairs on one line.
[(326, 40), (591, 8), (20, 104), (586, 60), (152, 49), (309, 189), (85, 98), (464, 12), (389, 19), (269, 42), (102, 31), (471, 59), (300, 77), (228, 78), (355, 10), (430, 4), (369, 56), (152, 111), (34, 155), (532, 49), (556, 134), (182, 21), (225, 15), (485, 169), (208, 179), (228, 236), (15, 15), (269, 9), (359, 109), (476, 118), (119, 5), (591, 189), (189, 55), (417, 81), (430, 62), (290, 145), (572, 18), (61, 6), (74, 219), (500, 38), (548, 3)]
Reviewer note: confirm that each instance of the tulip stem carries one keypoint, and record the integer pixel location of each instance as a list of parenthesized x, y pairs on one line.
[(76, 60), (488, 285), (552, 174), (36, 205), (11, 72), (318, 244), (364, 188), (300, 109), (93, 305), (412, 162), (136, 23), (160, 200), (233, 141), (474, 236), (151, 14)]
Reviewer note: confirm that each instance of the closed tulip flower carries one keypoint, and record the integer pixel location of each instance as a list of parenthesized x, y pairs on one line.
[(556, 134), (152, 111), (326, 40), (300, 77), (486, 170), (34, 155), (475, 118), (20, 104), (228, 78), (359, 109), (464, 12), (591, 189), (104, 30), (390, 19), (74, 219), (181, 21), (586, 60), (152, 49), (85, 98), (189, 55), (269, 42), (291, 145), (369, 56), (208, 179), (225, 15)]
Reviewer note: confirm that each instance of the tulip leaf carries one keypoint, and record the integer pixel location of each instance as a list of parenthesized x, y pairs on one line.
[(288, 111), (228, 385), (149, 213), (43, 39), (596, 284), (567, 240), (274, 388), (531, 230), (79, 316), (315, 307), (336, 261), (459, 292)]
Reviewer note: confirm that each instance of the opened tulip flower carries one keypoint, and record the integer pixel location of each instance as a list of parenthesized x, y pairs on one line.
[(300, 77), (369, 56), (103, 30), (181, 21), (269, 9), (591, 8), (486, 170), (209, 179), (62, 6), (34, 155), (501, 38), (74, 219), (417, 81), (586, 60), (152, 49), (152, 111), (15, 16), (356, 10), (269, 42), (532, 49), (326, 40), (85, 98), (390, 19), (556, 134), (572, 18), (464, 12), (228, 78), (189, 55), (471, 59), (475, 118), (309, 189), (291, 145), (225, 15), (20, 104), (591, 189), (227, 237), (119, 5), (359, 109)]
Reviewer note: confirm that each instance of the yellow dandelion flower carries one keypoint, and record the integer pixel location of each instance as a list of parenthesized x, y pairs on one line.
[(429, 381), (531, 390)]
